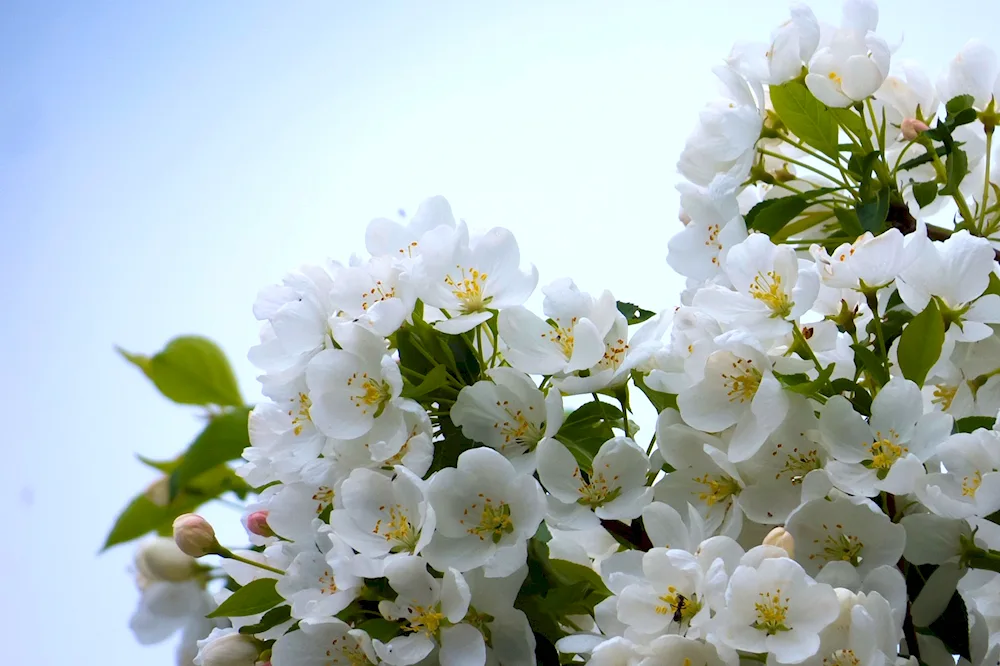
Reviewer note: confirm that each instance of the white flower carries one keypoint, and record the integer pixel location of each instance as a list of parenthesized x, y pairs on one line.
[(283, 438), (323, 643), (956, 271), (470, 279), (508, 413), (699, 249), (771, 288), (912, 97), (738, 389), (615, 489), (692, 339), (318, 586), (864, 634), (841, 530), (669, 650), (352, 387), (792, 44), (374, 295), (971, 485), (671, 594), (292, 507), (888, 452), (727, 131), (776, 608), (485, 511), (974, 71), (295, 318), (385, 238), (433, 610), (227, 647), (508, 634), (931, 539), (851, 65), (572, 339)]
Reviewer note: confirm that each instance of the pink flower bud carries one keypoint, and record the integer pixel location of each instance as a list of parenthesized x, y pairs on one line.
[(194, 536), (257, 524), (780, 537), (912, 128)]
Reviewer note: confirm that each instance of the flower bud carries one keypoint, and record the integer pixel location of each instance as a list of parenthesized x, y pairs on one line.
[(227, 647), (161, 560), (194, 536), (158, 492), (912, 128), (257, 524), (780, 537)]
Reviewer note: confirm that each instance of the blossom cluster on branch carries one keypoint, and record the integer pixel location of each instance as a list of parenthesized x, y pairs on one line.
[(440, 475)]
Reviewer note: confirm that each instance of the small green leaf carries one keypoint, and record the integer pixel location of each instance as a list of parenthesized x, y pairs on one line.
[(873, 213), (255, 597), (920, 344), (957, 167), (633, 313), (958, 104), (805, 116), (380, 629), (222, 440), (191, 370), (802, 385), (871, 363), (165, 466), (849, 221), (952, 627), (850, 121), (925, 193), (941, 151), (771, 215), (271, 619), (659, 399), (434, 380), (973, 423)]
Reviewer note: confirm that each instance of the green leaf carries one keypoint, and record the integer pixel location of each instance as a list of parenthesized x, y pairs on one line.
[(952, 627), (873, 213), (849, 221), (802, 385), (191, 370), (271, 619), (222, 440), (633, 313), (851, 121), (926, 157), (860, 398), (587, 428), (920, 344), (465, 359), (165, 466), (255, 597), (380, 628), (659, 399), (805, 116), (957, 167), (958, 104), (450, 446), (871, 363), (434, 380), (973, 423), (771, 215), (925, 193), (142, 516)]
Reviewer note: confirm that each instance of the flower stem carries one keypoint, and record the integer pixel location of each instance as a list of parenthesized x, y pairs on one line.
[(230, 555)]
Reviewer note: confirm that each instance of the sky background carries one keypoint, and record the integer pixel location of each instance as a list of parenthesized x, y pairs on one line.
[(160, 161)]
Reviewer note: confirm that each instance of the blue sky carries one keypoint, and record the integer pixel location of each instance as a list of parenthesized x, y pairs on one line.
[(160, 161)]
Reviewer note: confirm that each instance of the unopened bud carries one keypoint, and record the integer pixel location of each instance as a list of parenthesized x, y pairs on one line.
[(912, 128), (194, 536), (161, 560), (227, 648), (257, 524), (781, 538), (158, 492)]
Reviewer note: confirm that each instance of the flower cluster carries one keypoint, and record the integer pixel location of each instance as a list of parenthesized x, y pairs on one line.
[(443, 476)]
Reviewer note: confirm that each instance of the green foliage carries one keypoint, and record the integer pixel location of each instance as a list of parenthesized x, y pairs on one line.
[(190, 370), (633, 313), (771, 215), (920, 344), (222, 440), (435, 379), (255, 597), (271, 619), (143, 515), (587, 428), (973, 423), (805, 116)]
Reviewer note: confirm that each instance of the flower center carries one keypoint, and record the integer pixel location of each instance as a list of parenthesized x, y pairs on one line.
[(397, 529), (614, 353), (562, 336), (468, 289), (677, 605), (323, 498), (767, 289), (376, 294), (300, 412), (970, 484), (836, 78), (517, 430), (494, 521), (327, 584), (426, 621), (885, 451), (597, 491), (371, 396), (944, 395), (840, 548), (842, 657), (717, 488), (771, 612), (797, 464), (741, 384)]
